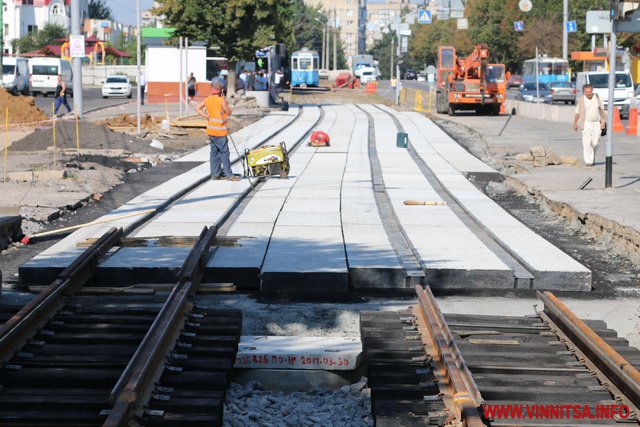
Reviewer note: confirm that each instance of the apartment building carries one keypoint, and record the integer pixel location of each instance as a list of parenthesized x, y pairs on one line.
[(349, 17), (21, 17)]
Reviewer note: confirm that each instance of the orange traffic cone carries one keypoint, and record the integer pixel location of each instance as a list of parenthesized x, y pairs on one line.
[(632, 126), (617, 123), (502, 109)]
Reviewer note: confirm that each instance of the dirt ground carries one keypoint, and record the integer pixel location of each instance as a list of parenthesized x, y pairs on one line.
[(21, 109), (46, 182)]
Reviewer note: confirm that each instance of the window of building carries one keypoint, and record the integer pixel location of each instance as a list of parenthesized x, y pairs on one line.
[(350, 12), (32, 28), (56, 9), (4, 7), (6, 30), (349, 24), (349, 1)]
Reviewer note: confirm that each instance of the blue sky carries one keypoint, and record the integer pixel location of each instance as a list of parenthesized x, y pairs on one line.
[(125, 10)]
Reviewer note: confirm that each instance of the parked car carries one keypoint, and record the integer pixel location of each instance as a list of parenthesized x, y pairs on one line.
[(44, 75), (410, 75), (15, 75), (515, 80), (116, 86), (529, 93), (563, 92), (422, 77)]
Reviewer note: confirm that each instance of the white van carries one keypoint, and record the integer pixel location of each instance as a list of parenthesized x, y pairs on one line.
[(15, 75), (44, 75), (623, 91)]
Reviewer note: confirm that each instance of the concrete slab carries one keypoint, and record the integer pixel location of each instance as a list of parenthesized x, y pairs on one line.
[(62, 253), (550, 267), (295, 352), (128, 266), (450, 253)]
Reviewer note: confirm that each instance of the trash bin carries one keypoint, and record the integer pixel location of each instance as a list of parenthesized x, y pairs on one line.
[(402, 140)]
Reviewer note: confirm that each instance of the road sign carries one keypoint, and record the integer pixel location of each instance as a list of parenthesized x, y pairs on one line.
[(598, 22), (431, 69), (571, 26), (518, 25), (525, 5), (261, 53), (76, 46), (424, 17)]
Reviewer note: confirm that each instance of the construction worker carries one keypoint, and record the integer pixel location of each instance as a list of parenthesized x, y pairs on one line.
[(217, 112)]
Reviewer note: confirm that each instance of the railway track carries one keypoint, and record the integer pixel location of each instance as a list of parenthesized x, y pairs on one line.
[(550, 369), (114, 361)]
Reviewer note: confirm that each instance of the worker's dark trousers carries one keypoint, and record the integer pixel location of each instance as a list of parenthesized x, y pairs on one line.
[(219, 157)]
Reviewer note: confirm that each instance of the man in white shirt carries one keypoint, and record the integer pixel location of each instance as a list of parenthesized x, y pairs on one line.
[(590, 114)]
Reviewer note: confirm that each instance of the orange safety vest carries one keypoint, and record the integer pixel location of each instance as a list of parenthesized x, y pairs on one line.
[(217, 124)]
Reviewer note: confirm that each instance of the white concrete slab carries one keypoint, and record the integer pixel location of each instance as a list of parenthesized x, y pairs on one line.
[(63, 252), (450, 253), (551, 268), (295, 352)]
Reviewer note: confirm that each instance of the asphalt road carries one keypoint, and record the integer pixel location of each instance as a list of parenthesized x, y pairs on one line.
[(92, 99)]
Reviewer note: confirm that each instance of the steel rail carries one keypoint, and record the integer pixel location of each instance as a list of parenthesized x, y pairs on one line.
[(135, 385), (16, 331), (464, 397), (615, 368)]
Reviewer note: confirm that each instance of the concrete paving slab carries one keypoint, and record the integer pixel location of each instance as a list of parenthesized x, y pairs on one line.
[(443, 144), (452, 256), (550, 267), (296, 352), (129, 266), (305, 260), (240, 264), (62, 253)]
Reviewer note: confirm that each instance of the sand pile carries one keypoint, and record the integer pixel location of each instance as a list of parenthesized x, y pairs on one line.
[(22, 109), (126, 120)]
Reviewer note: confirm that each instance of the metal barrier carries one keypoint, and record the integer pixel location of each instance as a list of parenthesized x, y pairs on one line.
[(423, 101)]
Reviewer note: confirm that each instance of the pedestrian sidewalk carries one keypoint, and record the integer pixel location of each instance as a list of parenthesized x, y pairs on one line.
[(613, 211)]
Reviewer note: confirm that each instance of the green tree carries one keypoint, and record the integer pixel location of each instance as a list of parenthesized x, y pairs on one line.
[(99, 10), (381, 51), (236, 28), (39, 39), (426, 38)]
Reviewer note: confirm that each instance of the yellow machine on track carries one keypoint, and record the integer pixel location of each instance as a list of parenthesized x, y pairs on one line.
[(268, 160)]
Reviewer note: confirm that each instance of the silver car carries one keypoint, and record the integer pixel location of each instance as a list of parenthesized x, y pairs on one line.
[(563, 92)]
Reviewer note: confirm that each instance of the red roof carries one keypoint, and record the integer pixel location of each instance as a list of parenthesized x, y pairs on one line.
[(55, 50)]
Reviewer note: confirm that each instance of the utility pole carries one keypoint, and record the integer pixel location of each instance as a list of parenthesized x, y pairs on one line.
[(180, 77), (608, 165), (77, 62), (138, 59), (565, 33), (335, 40), (324, 46), (186, 70), (391, 60)]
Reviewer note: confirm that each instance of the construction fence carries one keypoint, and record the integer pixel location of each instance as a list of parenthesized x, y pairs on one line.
[(423, 101)]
